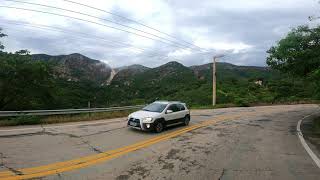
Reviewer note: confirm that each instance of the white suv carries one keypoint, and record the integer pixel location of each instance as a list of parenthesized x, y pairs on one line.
[(158, 115)]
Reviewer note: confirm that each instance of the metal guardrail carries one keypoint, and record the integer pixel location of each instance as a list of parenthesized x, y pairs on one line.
[(65, 111)]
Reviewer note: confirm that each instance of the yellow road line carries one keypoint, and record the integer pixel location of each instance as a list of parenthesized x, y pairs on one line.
[(59, 167), (88, 158)]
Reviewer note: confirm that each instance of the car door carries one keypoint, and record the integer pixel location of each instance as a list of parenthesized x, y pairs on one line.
[(171, 117), (182, 111)]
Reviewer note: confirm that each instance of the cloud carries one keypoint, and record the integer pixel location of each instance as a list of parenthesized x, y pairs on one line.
[(243, 29), (235, 47)]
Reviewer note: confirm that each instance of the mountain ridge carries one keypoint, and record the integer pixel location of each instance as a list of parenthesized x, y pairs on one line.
[(77, 67)]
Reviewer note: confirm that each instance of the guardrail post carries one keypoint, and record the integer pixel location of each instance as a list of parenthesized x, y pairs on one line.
[(89, 106)]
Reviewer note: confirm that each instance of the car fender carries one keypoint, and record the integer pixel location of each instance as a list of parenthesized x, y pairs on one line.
[(187, 115), (161, 119)]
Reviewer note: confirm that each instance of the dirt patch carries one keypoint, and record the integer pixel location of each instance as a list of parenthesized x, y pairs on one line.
[(222, 134), (207, 152), (168, 166), (165, 165), (123, 177), (203, 115), (172, 153), (208, 128), (263, 120), (200, 147), (196, 132), (139, 170), (255, 125), (136, 170), (185, 137)]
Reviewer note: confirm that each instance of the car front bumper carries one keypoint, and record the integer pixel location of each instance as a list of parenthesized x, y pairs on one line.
[(137, 124)]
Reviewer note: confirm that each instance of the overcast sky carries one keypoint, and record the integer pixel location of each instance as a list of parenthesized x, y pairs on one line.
[(242, 29)]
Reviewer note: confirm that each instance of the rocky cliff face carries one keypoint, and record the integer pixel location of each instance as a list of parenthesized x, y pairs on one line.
[(77, 67)]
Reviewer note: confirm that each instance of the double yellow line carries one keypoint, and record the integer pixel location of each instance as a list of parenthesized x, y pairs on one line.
[(60, 167)]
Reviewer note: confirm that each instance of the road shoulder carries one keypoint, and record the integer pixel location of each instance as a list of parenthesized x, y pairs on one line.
[(312, 138)]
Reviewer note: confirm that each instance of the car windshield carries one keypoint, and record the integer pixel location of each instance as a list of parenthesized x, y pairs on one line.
[(155, 107)]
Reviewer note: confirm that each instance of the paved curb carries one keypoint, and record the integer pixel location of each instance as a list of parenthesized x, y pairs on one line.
[(304, 144)]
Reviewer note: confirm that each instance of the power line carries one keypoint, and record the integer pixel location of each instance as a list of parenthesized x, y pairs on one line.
[(86, 36), (55, 29), (79, 34), (131, 20), (77, 12), (152, 54), (80, 19)]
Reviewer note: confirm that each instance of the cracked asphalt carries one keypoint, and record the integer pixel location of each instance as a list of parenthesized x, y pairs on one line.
[(259, 144)]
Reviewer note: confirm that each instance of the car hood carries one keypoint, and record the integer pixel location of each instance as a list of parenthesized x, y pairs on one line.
[(143, 114)]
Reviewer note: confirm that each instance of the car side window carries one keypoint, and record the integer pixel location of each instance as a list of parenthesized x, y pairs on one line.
[(174, 108), (181, 107)]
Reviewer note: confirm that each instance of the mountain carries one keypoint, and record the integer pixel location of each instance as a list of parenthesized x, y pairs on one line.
[(148, 84), (227, 71), (71, 81), (125, 74), (174, 81), (134, 67), (77, 67), (138, 74)]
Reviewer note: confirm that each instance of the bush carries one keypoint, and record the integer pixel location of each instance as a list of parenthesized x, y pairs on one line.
[(24, 120), (242, 102)]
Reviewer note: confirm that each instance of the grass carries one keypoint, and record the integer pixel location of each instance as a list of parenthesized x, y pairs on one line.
[(21, 120), (214, 107), (245, 104), (30, 120)]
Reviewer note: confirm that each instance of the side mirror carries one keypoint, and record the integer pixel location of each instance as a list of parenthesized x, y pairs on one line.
[(169, 111)]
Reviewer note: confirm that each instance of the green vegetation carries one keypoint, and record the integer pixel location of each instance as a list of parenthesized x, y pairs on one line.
[(30, 82), (30, 120), (24, 83), (21, 120), (298, 54), (236, 86)]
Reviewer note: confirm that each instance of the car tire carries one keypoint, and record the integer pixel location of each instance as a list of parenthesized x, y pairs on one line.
[(158, 128), (186, 120)]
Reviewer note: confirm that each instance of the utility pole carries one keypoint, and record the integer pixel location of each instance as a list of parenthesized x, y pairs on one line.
[(214, 88), (214, 79)]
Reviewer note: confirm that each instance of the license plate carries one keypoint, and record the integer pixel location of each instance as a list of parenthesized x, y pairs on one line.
[(133, 123)]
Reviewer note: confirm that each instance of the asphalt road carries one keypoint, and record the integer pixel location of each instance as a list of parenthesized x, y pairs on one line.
[(232, 143)]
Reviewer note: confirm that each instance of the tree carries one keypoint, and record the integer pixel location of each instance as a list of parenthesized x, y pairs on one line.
[(298, 53), (1, 35), (24, 83)]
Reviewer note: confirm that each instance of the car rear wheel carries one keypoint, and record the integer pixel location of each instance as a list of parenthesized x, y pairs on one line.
[(186, 120), (159, 127)]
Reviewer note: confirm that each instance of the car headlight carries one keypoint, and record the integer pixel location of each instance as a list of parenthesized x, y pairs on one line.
[(147, 120)]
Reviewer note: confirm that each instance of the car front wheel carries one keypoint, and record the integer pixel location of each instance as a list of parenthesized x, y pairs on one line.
[(158, 127), (186, 120)]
